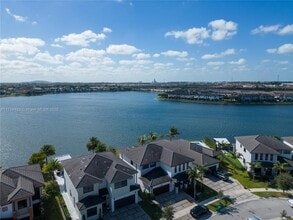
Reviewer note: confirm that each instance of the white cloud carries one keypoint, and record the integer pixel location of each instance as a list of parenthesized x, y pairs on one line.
[(56, 45), (163, 65), (135, 62), (286, 30), (266, 29), (241, 61), (215, 63), (156, 55), (107, 30), (86, 55), (218, 55), (275, 29), (141, 56), (34, 23), (282, 62), (192, 35), (222, 29), (271, 50), (283, 49), (46, 57), (121, 49), (20, 46), (265, 61), (16, 17), (173, 53), (83, 39)]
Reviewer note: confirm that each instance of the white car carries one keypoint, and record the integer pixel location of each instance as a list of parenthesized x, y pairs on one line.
[(254, 218), (290, 201)]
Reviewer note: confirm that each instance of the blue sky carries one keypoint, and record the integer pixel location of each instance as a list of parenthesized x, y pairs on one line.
[(131, 41)]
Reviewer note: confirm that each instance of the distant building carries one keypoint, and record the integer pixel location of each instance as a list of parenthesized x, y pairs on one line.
[(20, 192), (97, 181)]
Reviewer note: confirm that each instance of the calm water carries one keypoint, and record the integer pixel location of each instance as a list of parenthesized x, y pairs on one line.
[(68, 120)]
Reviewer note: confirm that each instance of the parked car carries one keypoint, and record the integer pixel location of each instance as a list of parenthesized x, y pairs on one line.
[(223, 175), (290, 201), (254, 217), (198, 211)]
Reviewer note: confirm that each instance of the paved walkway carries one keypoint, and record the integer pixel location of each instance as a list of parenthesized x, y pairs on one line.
[(67, 200)]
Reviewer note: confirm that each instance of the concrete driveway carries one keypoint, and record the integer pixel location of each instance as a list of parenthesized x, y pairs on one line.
[(231, 188), (264, 208), (130, 212)]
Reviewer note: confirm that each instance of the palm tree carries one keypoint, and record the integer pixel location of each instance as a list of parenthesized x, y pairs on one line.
[(91, 145), (142, 139), (173, 132), (52, 166), (48, 150), (194, 175), (152, 136), (255, 165), (279, 166), (37, 158)]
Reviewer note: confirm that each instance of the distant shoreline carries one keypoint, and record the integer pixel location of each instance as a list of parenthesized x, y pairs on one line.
[(223, 102)]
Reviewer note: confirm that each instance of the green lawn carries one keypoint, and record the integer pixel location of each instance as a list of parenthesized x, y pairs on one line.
[(237, 172), (52, 210), (223, 202), (153, 211), (273, 194)]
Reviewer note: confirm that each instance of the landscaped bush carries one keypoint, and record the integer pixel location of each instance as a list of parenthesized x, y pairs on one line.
[(210, 142)]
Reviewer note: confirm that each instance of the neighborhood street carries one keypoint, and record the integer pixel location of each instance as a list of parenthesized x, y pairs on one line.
[(264, 208)]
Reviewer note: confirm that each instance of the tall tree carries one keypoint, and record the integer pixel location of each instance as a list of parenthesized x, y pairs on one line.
[(284, 181), (193, 174), (51, 167), (173, 132), (255, 165), (48, 150), (142, 139), (152, 136), (37, 158), (95, 145), (280, 167)]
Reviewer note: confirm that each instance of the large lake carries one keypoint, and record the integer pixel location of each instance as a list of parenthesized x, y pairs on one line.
[(68, 120)]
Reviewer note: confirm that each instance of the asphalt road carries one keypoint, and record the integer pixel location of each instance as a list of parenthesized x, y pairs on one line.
[(264, 208)]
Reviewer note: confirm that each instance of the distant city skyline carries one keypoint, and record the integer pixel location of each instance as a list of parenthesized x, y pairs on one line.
[(132, 41)]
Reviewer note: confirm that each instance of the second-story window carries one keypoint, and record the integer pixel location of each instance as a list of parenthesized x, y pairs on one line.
[(87, 189), (256, 157), (179, 168), (175, 170), (272, 157), (244, 149), (261, 156), (267, 157), (120, 184)]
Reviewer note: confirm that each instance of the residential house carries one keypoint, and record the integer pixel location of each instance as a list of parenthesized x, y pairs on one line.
[(162, 164), (20, 192), (288, 158), (265, 149), (97, 182)]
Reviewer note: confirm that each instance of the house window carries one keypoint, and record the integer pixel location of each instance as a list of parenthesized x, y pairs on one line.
[(175, 169), (261, 156), (146, 166), (183, 166), (240, 146), (286, 152), (131, 162), (152, 164), (4, 209), (256, 157), (244, 160), (272, 157), (87, 189), (22, 204), (267, 157), (70, 192), (91, 212), (179, 168), (244, 149), (120, 184)]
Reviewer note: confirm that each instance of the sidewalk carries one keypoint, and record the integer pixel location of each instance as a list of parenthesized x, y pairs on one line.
[(268, 190)]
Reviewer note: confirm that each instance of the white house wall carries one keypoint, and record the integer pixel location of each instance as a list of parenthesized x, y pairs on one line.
[(245, 155), (70, 189), (82, 195)]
